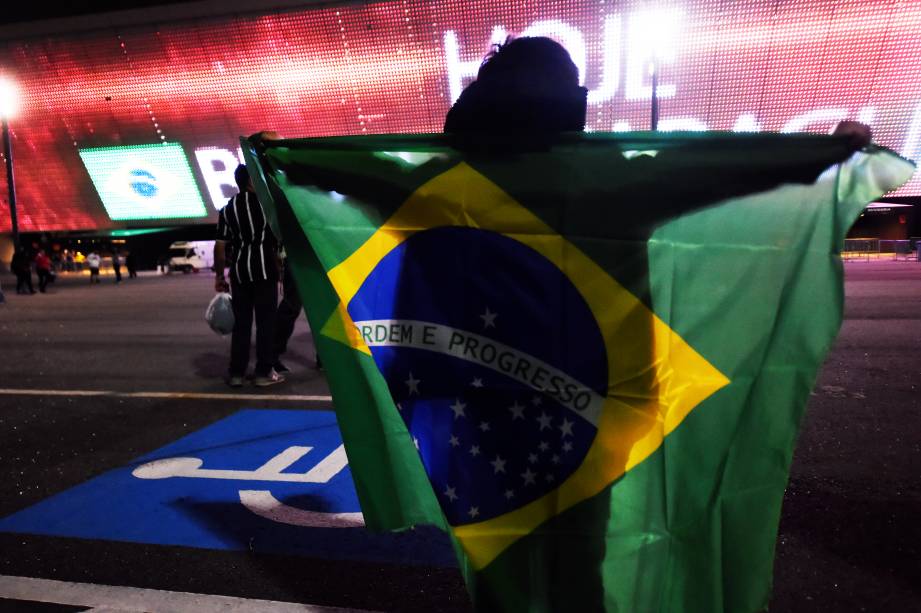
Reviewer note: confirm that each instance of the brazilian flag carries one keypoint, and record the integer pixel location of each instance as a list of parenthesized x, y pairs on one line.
[(586, 359)]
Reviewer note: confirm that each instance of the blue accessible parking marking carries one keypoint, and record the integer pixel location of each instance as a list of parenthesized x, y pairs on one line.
[(268, 481)]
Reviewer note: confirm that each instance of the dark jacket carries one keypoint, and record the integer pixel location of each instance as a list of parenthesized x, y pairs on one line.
[(20, 264)]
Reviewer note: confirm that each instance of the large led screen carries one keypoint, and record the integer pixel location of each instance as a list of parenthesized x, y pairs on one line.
[(791, 65), (144, 182)]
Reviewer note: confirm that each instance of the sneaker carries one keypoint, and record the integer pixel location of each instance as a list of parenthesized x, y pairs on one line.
[(280, 367), (235, 381), (266, 380)]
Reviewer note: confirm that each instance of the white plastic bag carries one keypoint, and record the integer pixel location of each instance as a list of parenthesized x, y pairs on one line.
[(219, 314)]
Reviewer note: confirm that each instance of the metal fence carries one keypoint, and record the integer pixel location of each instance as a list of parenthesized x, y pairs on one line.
[(866, 249)]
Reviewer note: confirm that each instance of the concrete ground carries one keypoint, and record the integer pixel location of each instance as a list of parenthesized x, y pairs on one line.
[(849, 537)]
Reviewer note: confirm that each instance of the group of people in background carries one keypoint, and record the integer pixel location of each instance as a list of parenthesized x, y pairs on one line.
[(21, 266), (46, 268)]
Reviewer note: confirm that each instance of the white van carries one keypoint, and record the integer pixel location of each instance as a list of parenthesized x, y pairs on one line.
[(191, 256)]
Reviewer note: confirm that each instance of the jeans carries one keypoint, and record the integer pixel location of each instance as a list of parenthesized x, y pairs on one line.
[(288, 311), (24, 283), (43, 277), (261, 298)]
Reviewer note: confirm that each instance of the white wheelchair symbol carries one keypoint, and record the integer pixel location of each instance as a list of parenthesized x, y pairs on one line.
[(262, 502)]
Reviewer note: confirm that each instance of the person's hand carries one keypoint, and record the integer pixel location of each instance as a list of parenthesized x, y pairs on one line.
[(220, 285), (269, 135), (859, 133)]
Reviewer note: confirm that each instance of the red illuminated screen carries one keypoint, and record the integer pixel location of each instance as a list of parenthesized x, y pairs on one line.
[(396, 66)]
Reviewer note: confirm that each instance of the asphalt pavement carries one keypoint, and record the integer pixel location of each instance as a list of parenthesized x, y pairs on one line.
[(94, 379)]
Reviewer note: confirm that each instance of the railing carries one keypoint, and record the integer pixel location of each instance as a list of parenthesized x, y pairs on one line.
[(900, 249), (860, 249), (866, 249)]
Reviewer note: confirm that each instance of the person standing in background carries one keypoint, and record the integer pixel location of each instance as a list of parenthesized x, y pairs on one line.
[(253, 281), (43, 269), (22, 268), (288, 311), (92, 262), (117, 265), (131, 263)]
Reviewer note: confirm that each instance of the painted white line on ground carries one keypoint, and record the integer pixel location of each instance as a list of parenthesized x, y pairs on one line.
[(213, 396), (25, 392), (167, 395), (264, 504), (115, 598), (189, 467)]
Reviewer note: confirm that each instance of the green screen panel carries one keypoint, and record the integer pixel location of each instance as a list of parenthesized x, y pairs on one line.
[(144, 182)]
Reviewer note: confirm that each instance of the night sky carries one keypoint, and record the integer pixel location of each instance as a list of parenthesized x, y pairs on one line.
[(25, 11)]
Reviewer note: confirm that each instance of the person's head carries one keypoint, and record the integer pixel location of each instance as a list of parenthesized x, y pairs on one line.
[(527, 85), (241, 176)]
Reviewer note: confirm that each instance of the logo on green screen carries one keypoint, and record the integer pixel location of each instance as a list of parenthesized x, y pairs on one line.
[(144, 181)]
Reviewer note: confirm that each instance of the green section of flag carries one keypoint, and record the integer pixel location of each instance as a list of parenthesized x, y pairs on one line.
[(731, 240), (394, 493)]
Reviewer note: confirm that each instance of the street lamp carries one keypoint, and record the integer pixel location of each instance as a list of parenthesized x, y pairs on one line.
[(9, 106), (653, 37), (654, 70)]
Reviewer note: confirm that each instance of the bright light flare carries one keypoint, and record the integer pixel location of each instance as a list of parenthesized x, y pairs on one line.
[(652, 39), (655, 33), (9, 98)]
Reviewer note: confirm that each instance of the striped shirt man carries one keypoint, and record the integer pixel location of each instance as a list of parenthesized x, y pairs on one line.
[(254, 247)]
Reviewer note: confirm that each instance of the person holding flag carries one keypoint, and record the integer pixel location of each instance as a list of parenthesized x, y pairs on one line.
[(549, 344)]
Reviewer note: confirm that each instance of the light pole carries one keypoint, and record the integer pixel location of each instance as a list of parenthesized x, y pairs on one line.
[(655, 35), (9, 105), (654, 119)]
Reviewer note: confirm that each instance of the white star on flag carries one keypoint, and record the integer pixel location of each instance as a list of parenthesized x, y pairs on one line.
[(475, 450), (532, 458), (528, 477), (416, 442), (451, 494), (550, 478), (509, 494), (413, 384), (544, 420), (489, 319), (458, 408), (399, 407), (473, 512), (543, 446), (477, 382), (567, 446), (536, 400), (555, 459), (517, 411), (498, 465), (566, 428), (454, 442), (484, 426)]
